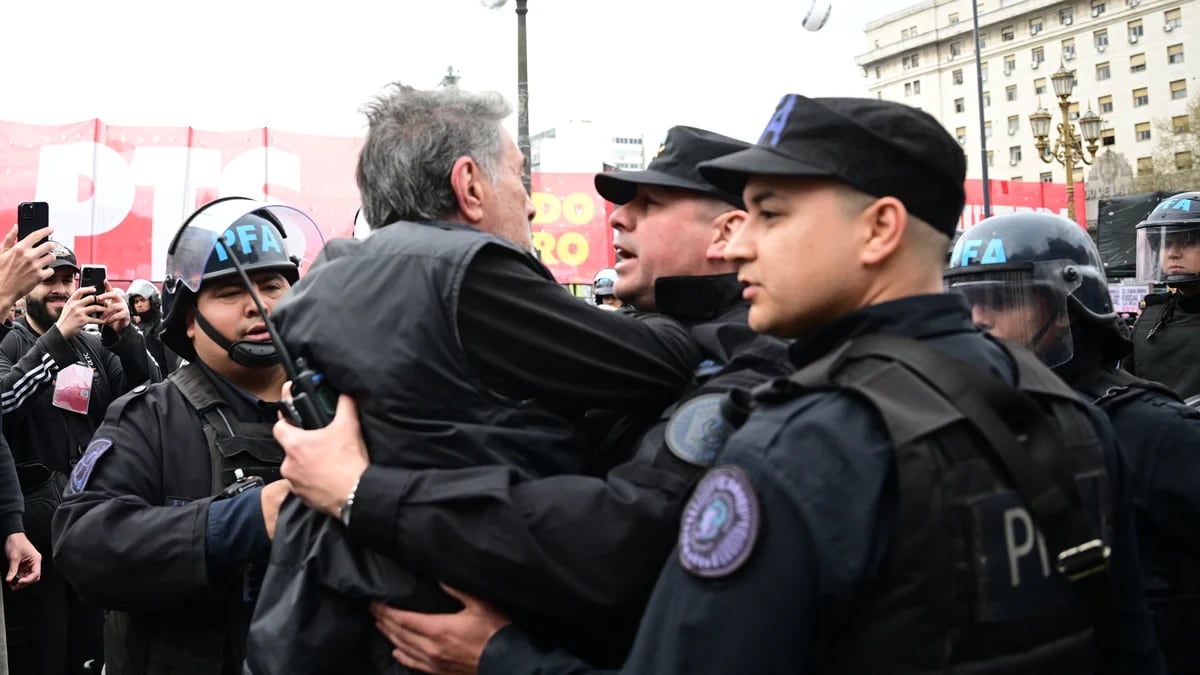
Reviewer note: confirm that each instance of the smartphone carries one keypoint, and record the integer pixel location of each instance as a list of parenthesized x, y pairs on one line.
[(31, 217), (94, 276)]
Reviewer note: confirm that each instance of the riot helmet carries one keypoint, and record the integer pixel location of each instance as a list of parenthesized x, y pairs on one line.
[(261, 236), (605, 284), (1024, 274), (141, 288), (1168, 242)]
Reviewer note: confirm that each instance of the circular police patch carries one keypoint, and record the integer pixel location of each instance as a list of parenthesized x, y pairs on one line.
[(83, 469), (720, 524), (697, 431)]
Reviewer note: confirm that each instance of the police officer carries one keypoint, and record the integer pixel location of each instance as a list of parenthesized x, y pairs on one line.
[(143, 297), (167, 522), (604, 289), (1166, 344), (1059, 281), (859, 521), (579, 554)]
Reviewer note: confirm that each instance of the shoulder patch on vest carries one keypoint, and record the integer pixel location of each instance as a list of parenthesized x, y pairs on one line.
[(83, 469), (696, 431), (720, 524)]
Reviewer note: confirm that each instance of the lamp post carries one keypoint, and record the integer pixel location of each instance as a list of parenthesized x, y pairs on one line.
[(1068, 146), (522, 84)]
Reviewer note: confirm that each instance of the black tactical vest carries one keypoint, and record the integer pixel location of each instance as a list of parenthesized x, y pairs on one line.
[(968, 584), (1166, 344)]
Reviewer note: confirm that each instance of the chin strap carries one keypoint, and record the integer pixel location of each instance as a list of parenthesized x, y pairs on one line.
[(243, 352)]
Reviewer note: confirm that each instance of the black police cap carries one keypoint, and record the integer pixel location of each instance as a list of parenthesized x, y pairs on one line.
[(675, 167), (881, 148)]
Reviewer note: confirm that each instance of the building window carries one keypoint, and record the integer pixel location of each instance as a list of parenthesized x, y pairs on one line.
[(1145, 166), (1098, 7), (1100, 37), (959, 105), (1008, 34), (878, 73), (1137, 63), (912, 88), (1039, 86), (957, 76), (953, 18), (1014, 125), (987, 99), (1035, 26), (1073, 111), (1180, 124), (1039, 56), (1010, 93), (1106, 104), (961, 134), (1066, 16), (1178, 89), (907, 62), (1068, 49), (1135, 30), (1141, 97), (904, 34), (1142, 131), (1108, 137), (1010, 64), (908, 88), (1014, 155), (1183, 160), (955, 49), (1175, 54), (1174, 18), (992, 159), (1103, 71), (1046, 177), (983, 72), (983, 40), (987, 129)]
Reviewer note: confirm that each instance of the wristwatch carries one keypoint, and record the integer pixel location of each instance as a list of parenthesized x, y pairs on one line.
[(344, 511)]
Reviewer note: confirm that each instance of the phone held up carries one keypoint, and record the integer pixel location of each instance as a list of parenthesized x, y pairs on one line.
[(94, 276), (31, 217)]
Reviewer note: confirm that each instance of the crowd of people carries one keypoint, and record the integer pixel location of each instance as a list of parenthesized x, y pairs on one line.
[(797, 440)]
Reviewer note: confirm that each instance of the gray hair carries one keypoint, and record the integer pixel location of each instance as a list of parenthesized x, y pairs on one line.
[(413, 140)]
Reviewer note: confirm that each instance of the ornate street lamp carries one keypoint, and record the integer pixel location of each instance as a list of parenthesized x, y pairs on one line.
[(1068, 146)]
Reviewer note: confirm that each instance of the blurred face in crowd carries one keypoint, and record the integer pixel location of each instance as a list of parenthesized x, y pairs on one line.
[(611, 301), (665, 232), (141, 305), (228, 306), (44, 304), (508, 208)]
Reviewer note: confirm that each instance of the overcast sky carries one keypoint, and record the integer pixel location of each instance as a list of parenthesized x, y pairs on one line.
[(640, 65)]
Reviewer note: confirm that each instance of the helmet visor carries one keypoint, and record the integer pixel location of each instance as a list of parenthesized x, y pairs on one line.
[(1168, 254), (210, 231), (1023, 303)]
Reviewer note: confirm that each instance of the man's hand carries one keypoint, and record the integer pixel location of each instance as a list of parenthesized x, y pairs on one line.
[(23, 265), (441, 644), (79, 310), (271, 497), (116, 311), (323, 464), (24, 561)]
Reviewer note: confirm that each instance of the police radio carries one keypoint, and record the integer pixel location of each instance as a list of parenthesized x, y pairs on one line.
[(313, 402)]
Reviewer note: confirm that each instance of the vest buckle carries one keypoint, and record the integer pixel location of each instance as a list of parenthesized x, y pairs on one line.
[(1084, 560)]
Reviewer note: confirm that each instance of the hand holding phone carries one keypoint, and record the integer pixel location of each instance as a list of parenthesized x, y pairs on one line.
[(93, 276), (31, 217)]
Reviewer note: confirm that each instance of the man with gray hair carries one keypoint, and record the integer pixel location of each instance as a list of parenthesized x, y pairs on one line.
[(483, 360)]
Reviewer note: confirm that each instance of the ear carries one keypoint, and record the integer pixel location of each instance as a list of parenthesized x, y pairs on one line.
[(189, 320), (884, 223), (723, 227), (467, 181)]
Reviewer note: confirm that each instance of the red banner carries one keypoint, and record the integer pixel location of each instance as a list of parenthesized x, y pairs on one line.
[(1014, 197), (118, 194)]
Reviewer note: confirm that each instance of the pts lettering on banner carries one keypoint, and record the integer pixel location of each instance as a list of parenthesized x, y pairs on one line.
[(567, 248), (177, 176)]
